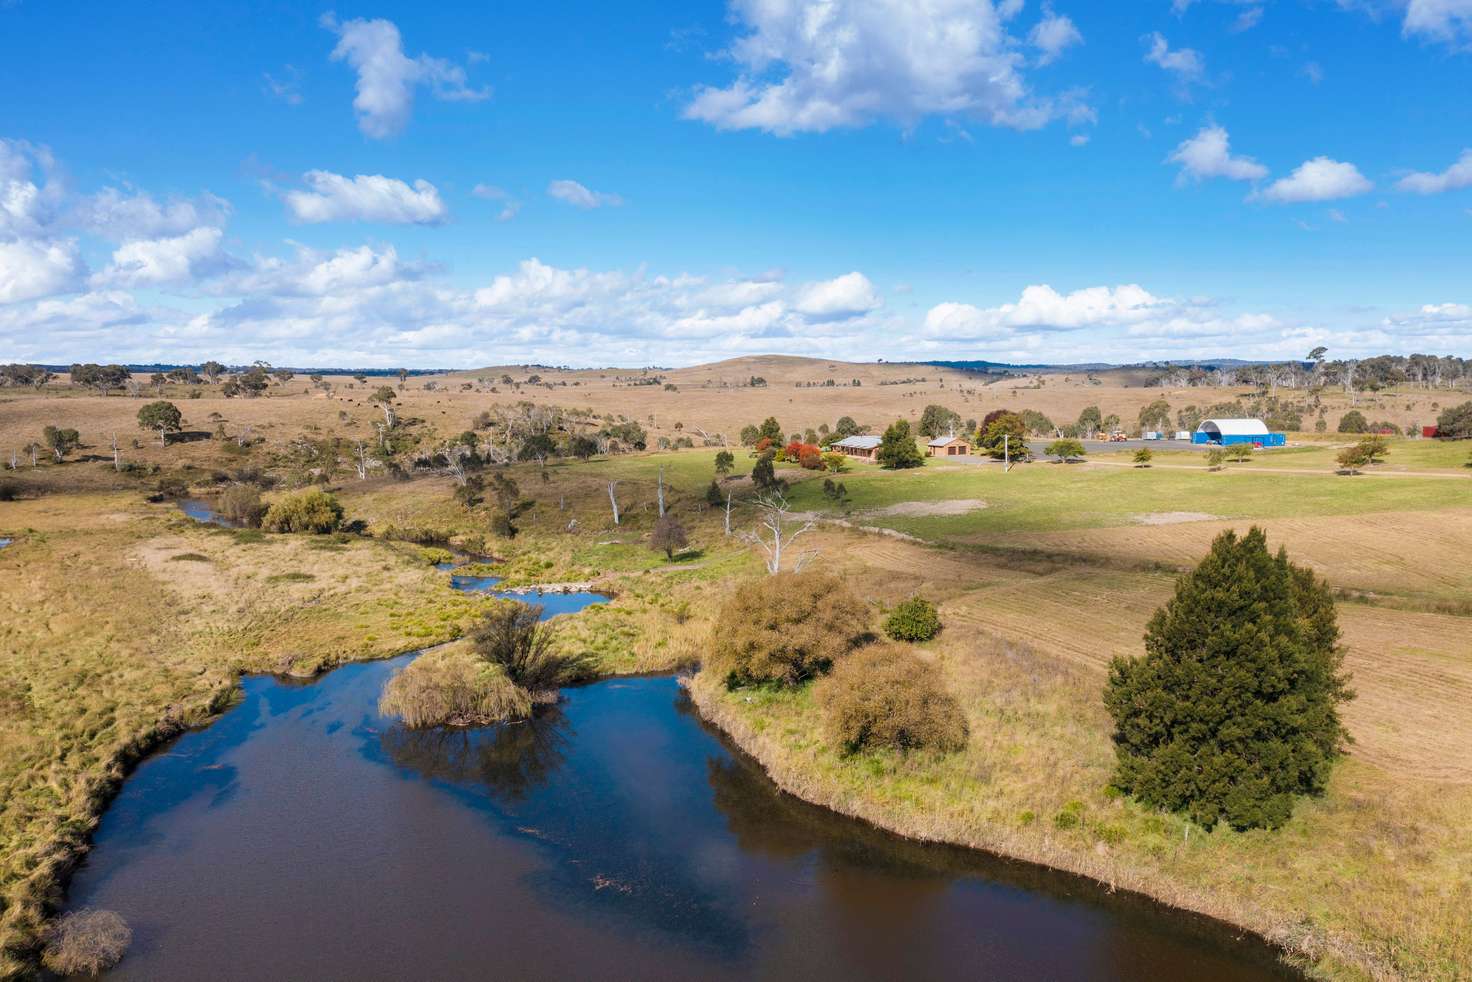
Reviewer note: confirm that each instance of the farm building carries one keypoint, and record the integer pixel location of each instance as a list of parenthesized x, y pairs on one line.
[(1227, 432), (947, 446), (863, 447)]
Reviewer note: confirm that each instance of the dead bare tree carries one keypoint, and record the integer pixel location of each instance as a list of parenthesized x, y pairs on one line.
[(117, 460), (661, 490), (775, 522), (363, 460), (455, 463), (613, 499), (728, 512), (14, 460)]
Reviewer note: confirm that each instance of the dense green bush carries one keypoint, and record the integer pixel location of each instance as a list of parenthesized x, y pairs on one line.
[(305, 511), (897, 450), (1234, 709), (1353, 422), (1456, 422), (915, 619), (885, 696), (785, 629), (1065, 449)]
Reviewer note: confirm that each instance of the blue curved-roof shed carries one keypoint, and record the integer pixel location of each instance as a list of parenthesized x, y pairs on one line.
[(1230, 432)]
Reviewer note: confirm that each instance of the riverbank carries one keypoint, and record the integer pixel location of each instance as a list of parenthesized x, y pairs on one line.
[(1257, 881)]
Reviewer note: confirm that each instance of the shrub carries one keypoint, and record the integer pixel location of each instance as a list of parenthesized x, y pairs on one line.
[(1215, 457), (1353, 422), (886, 697), (172, 486), (241, 504), (897, 450), (9, 491), (668, 536), (785, 629), (1456, 422), (1065, 449), (1234, 708), (1143, 456), (87, 942), (453, 688), (915, 619), (306, 511), (512, 637)]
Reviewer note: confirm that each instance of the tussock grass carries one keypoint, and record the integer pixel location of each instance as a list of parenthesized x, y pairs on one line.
[(453, 687)]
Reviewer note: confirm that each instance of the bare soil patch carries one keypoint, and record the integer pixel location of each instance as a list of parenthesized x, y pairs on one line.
[(1174, 517), (927, 509)]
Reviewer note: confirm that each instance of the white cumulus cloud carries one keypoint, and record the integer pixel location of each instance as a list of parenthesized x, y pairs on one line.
[(1447, 21), (817, 65), (1208, 154), (1053, 35), (365, 198), (579, 196), (387, 77), (1319, 179), (32, 268), (844, 296), (155, 262), (1185, 63), (118, 215), (1458, 175)]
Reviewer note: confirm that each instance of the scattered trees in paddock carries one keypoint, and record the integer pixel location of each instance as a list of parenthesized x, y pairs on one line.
[(1456, 423), (60, 441), (1368, 451), (1155, 416), (25, 375), (668, 536), (897, 449), (1239, 453), (313, 511), (161, 417), (1065, 450), (725, 461), (1004, 434), (86, 942), (915, 619), (1233, 710), (102, 378), (785, 629), (937, 420), (886, 697)]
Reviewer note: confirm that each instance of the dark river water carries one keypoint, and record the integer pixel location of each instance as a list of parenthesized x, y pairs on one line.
[(303, 836)]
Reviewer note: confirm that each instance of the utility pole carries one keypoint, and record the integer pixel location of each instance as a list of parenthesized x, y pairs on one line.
[(1006, 452)]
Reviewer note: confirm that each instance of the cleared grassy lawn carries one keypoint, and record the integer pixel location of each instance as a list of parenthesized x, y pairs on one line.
[(1405, 456), (1044, 497)]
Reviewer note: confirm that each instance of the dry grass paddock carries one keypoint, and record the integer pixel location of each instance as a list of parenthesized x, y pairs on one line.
[(122, 622)]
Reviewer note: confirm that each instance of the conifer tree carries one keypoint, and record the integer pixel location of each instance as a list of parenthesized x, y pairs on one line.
[(1234, 709)]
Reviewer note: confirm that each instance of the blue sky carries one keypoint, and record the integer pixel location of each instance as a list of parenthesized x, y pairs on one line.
[(596, 184)]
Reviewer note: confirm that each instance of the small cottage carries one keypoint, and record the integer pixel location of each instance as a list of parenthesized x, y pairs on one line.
[(863, 447), (947, 446)]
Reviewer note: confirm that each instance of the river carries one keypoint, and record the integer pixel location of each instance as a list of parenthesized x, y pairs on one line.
[(303, 836)]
